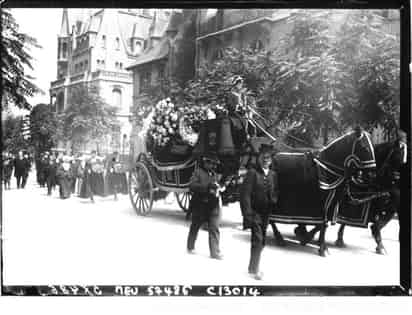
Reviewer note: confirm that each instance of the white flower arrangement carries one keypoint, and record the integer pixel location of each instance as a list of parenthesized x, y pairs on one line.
[(171, 122)]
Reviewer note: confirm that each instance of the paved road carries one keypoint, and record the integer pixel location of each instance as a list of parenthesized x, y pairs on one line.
[(51, 241)]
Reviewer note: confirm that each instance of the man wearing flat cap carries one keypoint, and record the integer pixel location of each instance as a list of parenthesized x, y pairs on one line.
[(259, 195), (205, 204)]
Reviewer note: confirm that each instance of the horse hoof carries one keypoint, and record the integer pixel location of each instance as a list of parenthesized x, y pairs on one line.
[(322, 253), (340, 243), (381, 251)]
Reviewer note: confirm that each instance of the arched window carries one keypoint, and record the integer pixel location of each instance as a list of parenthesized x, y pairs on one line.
[(117, 97), (116, 65), (117, 43), (137, 47)]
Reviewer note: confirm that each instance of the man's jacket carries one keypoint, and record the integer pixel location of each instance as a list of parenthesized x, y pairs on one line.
[(259, 193), (202, 200)]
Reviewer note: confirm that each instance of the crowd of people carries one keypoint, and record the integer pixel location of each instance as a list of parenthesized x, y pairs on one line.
[(21, 165), (83, 175)]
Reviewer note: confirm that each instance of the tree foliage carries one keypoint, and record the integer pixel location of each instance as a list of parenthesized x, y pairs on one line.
[(43, 128), (12, 136), (17, 85), (331, 71), (334, 71), (87, 116)]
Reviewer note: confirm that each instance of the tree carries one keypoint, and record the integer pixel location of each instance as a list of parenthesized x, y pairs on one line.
[(17, 85), (372, 57), (43, 128), (87, 117), (332, 71), (12, 136)]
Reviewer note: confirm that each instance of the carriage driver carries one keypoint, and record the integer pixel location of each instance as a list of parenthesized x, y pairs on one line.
[(205, 204), (259, 195), (237, 107)]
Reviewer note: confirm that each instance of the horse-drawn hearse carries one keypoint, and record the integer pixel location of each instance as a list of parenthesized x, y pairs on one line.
[(348, 181)]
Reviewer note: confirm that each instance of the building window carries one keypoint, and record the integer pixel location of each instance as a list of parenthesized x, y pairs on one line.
[(116, 65), (103, 41), (117, 43), (120, 66), (60, 103), (218, 54), (103, 63), (205, 50), (137, 47), (117, 97), (257, 45), (64, 50), (161, 72), (86, 65), (145, 81)]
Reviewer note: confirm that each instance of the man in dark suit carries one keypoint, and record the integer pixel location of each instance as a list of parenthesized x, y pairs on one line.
[(50, 173), (205, 204), (19, 169), (259, 195), (26, 171)]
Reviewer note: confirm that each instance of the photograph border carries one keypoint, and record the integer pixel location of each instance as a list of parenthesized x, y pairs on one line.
[(404, 287)]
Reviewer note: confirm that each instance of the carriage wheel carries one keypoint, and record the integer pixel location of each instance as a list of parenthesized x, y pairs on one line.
[(141, 189), (183, 199)]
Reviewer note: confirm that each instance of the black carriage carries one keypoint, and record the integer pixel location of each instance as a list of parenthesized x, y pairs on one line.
[(169, 169), (151, 180)]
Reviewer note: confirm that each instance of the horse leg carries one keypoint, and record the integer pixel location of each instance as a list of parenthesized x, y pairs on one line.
[(376, 231), (323, 250), (301, 233), (278, 237), (339, 242), (311, 234)]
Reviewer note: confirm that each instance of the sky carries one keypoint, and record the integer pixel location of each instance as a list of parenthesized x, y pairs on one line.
[(44, 25)]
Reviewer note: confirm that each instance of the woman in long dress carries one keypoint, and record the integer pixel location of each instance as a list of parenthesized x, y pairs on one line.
[(65, 178)]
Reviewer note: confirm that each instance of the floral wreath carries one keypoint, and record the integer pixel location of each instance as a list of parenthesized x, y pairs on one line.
[(170, 122)]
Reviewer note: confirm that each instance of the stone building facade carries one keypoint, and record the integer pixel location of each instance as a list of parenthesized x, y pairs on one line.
[(238, 28), (95, 49)]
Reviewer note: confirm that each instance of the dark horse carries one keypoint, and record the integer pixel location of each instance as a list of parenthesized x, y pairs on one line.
[(389, 158), (312, 187)]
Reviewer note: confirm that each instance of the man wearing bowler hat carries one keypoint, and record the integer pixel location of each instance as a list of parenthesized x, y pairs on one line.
[(259, 195), (205, 204)]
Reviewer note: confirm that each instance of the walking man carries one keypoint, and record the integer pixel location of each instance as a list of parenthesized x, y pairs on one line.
[(205, 204), (19, 169), (259, 195)]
